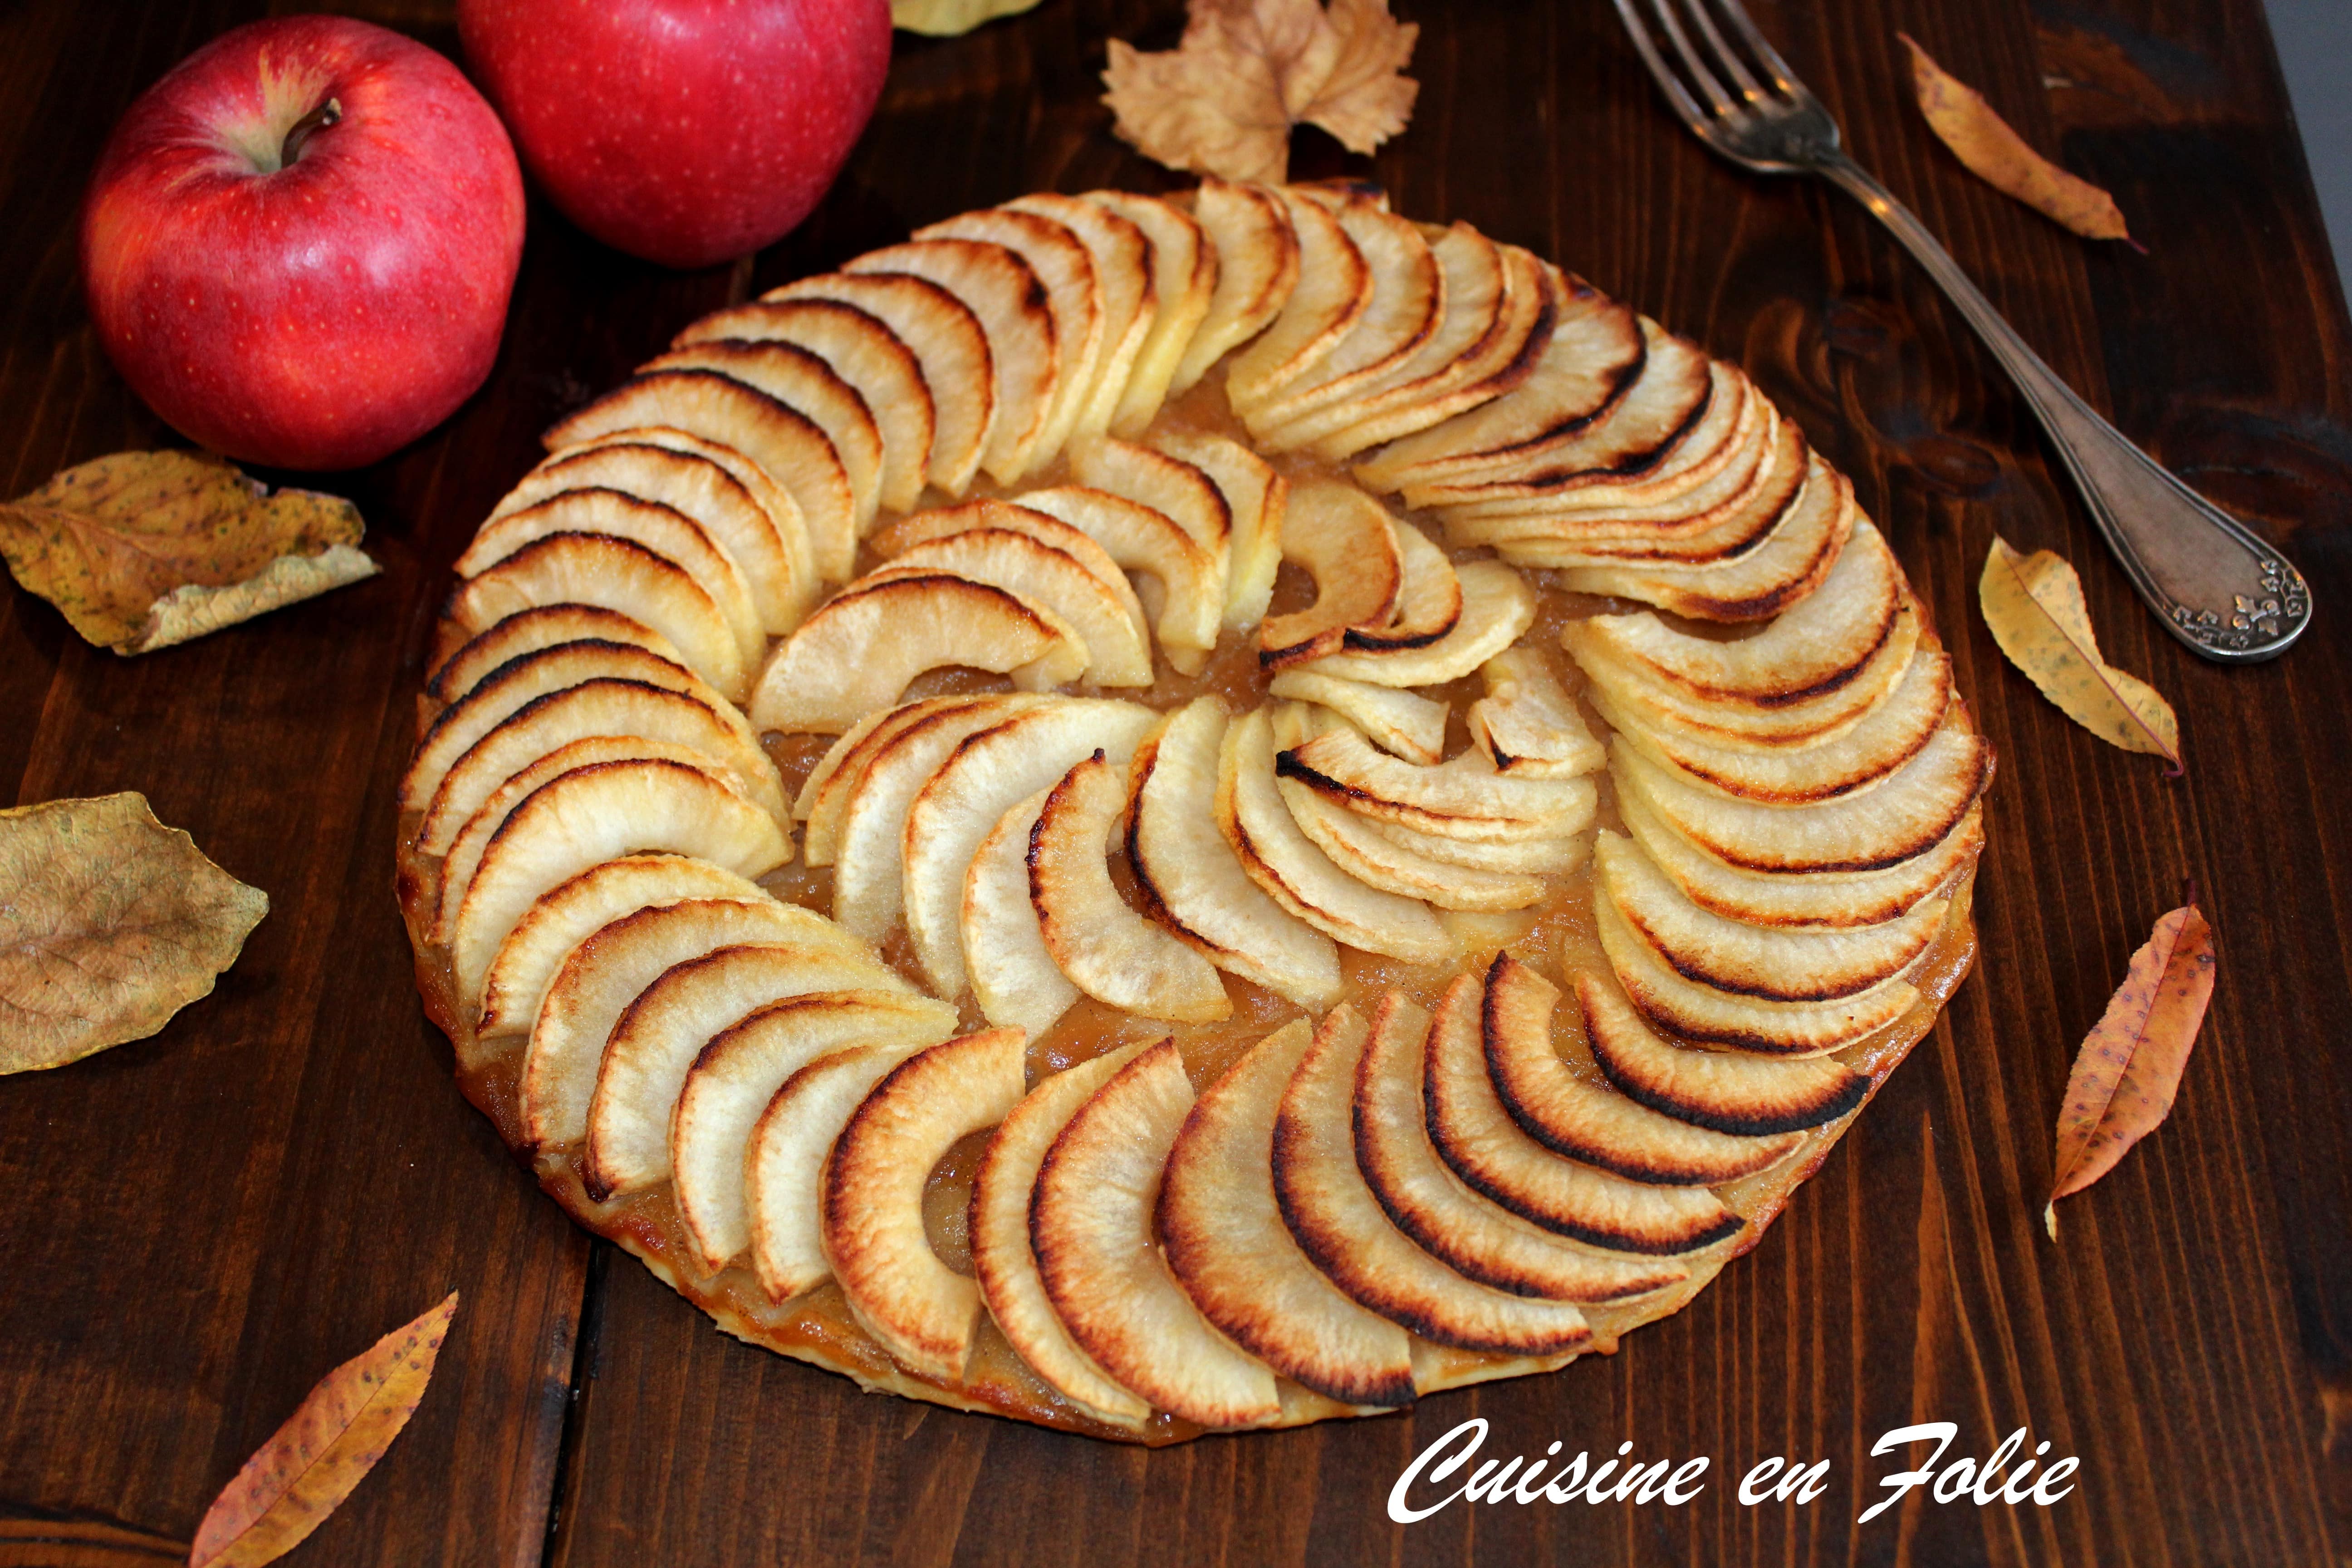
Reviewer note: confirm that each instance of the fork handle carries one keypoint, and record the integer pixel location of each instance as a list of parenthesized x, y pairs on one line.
[(2215, 586)]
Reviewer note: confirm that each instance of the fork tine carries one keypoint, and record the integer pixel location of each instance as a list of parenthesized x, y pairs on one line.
[(1782, 77), (1668, 82), (1701, 78), (1726, 57)]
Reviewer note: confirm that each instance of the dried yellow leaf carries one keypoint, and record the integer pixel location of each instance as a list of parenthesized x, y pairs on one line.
[(2033, 605), (143, 550), (946, 18), (109, 923), (1223, 101), (1997, 155)]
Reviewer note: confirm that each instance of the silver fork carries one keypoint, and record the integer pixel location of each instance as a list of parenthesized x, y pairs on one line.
[(2215, 586)]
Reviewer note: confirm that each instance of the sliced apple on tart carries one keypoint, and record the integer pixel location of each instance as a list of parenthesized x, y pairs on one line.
[(1333, 292), (1526, 724), (1742, 1095), (1015, 977), (1257, 501), (1184, 282), (1497, 607), (1398, 722), (1074, 301), (1407, 301), (1257, 254), (951, 352), (863, 646), (1347, 542), (784, 1164), (528, 631), (1187, 586), (1108, 621), (897, 1287), (1190, 877), (1222, 1226), (1458, 799), (1124, 281), (1091, 1225)]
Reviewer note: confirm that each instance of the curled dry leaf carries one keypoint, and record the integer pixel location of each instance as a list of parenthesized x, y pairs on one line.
[(1997, 155), (2034, 604), (1223, 101), (333, 1438), (109, 923), (2129, 1067), (143, 550), (946, 18)]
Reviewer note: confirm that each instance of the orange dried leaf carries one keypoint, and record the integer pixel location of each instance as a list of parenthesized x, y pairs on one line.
[(143, 550), (1223, 101), (1999, 155), (2129, 1067), (310, 1465), (2033, 606)]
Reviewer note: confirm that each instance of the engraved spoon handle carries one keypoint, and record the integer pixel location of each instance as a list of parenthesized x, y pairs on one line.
[(2215, 586)]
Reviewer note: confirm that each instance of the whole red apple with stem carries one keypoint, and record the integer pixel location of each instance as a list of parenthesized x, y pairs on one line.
[(683, 131), (299, 244)]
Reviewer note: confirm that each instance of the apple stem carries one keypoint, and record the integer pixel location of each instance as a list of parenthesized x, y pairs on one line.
[(317, 119)]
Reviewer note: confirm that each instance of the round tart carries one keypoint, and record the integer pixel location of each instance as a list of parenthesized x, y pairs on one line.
[(1170, 815)]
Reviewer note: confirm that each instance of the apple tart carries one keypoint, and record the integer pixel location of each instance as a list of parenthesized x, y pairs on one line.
[(1164, 815)]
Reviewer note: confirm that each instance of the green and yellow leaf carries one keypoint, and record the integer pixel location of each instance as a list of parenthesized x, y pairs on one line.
[(2033, 605), (144, 550)]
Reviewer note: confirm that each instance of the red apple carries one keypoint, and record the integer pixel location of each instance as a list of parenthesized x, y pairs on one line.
[(685, 131), (299, 243)]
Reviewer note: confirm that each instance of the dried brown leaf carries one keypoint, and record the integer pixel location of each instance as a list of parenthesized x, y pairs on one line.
[(1997, 155), (2033, 606), (2130, 1064), (109, 923), (143, 550), (1223, 101), (330, 1442)]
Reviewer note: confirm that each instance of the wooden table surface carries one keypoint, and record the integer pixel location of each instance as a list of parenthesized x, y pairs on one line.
[(197, 1226)]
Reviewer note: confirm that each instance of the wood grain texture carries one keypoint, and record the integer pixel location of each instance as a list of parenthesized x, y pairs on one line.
[(199, 1224)]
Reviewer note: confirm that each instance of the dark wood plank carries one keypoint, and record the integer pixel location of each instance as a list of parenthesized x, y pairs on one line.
[(211, 1220)]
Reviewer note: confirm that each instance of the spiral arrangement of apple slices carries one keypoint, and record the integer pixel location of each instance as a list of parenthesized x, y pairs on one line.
[(1008, 446)]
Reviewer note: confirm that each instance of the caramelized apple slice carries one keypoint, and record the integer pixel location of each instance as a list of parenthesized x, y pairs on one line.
[(950, 351), (1497, 607), (1191, 879), (1905, 815), (782, 586), (922, 1312), (607, 971), (1523, 858), (617, 574), (1341, 1225), (660, 1035), (1333, 292), (465, 855), (1347, 542), (1526, 724), (1074, 298), (513, 685), (1257, 501), (1732, 424), (1883, 740), (1603, 365), (605, 705), (1772, 964), (595, 814), (831, 784), (1167, 485), (784, 1165), (1005, 1264), (1453, 800), (803, 382), (863, 646), (1034, 522), (1226, 1243), (1705, 1016), (1188, 583), (1428, 602), (1584, 1121), (1090, 1222), (862, 351), (1106, 622), (1408, 300), (1013, 976), (733, 1078), (985, 777), (1183, 282), (783, 513), (543, 626), (1257, 266), (1281, 859), (1108, 950), (565, 916), (785, 444), (1006, 296), (869, 867), (1124, 281), (1800, 902), (1398, 722), (1746, 1097), (1355, 845)]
